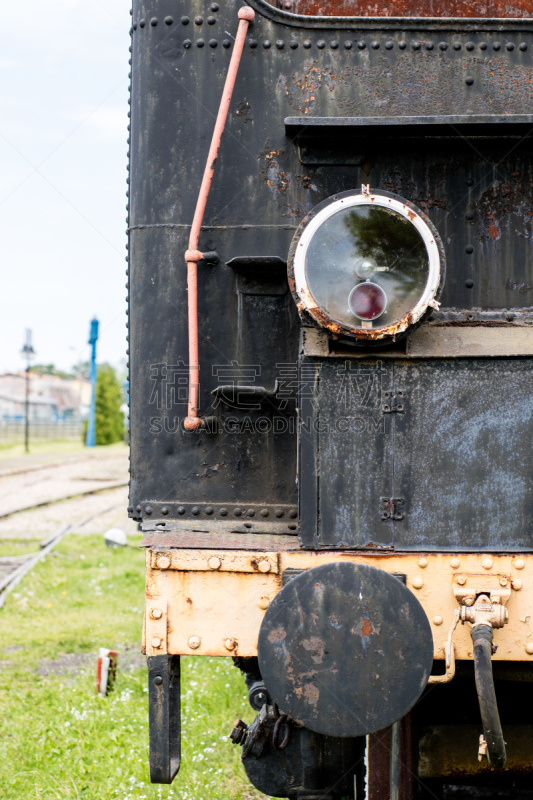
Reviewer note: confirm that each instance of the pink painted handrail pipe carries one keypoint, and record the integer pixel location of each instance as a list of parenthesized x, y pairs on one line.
[(192, 256)]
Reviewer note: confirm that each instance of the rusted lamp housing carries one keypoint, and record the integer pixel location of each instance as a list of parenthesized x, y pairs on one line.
[(366, 265)]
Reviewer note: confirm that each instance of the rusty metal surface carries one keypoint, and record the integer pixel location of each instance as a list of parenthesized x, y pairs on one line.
[(491, 9), (220, 541), (345, 649)]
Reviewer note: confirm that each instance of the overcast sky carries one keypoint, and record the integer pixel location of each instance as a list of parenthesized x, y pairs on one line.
[(63, 130)]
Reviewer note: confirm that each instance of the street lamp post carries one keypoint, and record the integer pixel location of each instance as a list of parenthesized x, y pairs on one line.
[(28, 352), (90, 441)]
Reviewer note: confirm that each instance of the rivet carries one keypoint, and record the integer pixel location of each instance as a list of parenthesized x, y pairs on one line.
[(278, 512), (321, 44), (280, 44), (307, 44), (153, 22), (496, 46), (185, 20), (422, 562), (415, 45), (470, 45), (156, 613), (134, 26), (469, 283), (293, 514), (461, 580), (158, 680), (187, 43), (156, 642), (223, 512), (194, 642), (457, 45), (483, 46), (200, 43), (214, 6), (529, 648), (195, 511), (522, 46), (142, 23), (520, 563), (402, 45), (417, 582), (361, 45), (209, 510), (294, 45), (487, 563), (226, 43), (169, 20), (469, 249), (469, 215), (264, 603), (163, 562), (181, 510), (375, 45), (198, 20), (437, 620), (266, 44), (509, 46), (251, 512), (348, 45), (164, 510), (213, 43), (148, 510), (443, 45), (264, 566), (238, 512), (214, 562), (211, 20), (334, 45), (517, 584), (230, 644), (138, 509), (469, 81), (469, 181), (429, 45), (264, 512)]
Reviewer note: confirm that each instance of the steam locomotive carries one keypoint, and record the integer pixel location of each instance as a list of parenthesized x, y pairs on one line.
[(330, 272)]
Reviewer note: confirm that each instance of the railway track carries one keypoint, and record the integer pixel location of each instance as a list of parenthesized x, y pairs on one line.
[(14, 568), (41, 504)]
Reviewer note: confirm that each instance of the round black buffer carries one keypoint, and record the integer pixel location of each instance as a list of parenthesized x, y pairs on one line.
[(345, 649)]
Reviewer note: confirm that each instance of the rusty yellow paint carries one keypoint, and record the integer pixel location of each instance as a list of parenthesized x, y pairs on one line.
[(226, 605)]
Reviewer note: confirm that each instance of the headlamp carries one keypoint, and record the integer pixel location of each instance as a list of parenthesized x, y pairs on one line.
[(366, 264)]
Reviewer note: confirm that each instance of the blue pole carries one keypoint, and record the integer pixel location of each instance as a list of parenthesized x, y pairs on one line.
[(93, 337)]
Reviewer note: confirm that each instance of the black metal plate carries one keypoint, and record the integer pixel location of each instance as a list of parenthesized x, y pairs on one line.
[(345, 649)]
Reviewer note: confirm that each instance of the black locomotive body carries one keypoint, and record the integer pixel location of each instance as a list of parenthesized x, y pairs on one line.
[(345, 505)]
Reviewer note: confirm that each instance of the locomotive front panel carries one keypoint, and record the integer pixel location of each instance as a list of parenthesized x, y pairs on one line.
[(337, 491)]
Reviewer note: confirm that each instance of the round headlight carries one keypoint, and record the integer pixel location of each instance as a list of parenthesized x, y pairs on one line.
[(366, 264)]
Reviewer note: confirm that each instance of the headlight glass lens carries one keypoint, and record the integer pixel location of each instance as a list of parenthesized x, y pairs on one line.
[(366, 266)]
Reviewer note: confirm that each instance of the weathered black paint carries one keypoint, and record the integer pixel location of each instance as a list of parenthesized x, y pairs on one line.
[(164, 716), (345, 649), (477, 191)]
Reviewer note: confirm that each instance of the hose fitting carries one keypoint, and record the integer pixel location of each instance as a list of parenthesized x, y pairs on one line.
[(481, 634)]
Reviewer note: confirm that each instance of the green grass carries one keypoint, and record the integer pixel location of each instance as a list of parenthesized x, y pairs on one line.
[(58, 739)]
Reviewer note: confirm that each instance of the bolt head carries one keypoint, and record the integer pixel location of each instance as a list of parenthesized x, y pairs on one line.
[(230, 644), (418, 582), (529, 648), (422, 562), (156, 642), (163, 562), (503, 581), (264, 566), (264, 603), (461, 580), (214, 562), (194, 642), (469, 601), (520, 563), (487, 563), (437, 619), (156, 613), (517, 584)]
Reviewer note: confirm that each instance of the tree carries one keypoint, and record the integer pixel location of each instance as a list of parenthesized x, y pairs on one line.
[(109, 422)]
